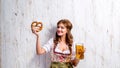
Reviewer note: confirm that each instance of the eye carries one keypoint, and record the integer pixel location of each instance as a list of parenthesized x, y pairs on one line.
[(58, 27), (62, 27)]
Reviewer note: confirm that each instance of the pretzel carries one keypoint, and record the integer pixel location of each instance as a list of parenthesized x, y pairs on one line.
[(37, 25)]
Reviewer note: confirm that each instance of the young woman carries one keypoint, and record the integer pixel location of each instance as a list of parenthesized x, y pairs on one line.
[(61, 48)]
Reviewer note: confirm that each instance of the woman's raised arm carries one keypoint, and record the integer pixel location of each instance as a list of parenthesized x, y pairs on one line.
[(39, 49)]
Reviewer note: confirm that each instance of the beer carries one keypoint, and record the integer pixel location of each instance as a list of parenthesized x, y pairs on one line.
[(79, 51)]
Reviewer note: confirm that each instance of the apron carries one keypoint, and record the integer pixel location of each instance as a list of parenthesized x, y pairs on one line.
[(61, 65)]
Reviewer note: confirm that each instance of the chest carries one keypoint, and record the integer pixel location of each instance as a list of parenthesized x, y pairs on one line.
[(60, 55)]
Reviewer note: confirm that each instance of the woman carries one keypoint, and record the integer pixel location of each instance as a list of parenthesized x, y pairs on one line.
[(61, 48)]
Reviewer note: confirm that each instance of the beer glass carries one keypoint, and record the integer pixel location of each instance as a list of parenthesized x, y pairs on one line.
[(79, 51)]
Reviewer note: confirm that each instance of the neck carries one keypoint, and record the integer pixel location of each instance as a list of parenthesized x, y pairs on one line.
[(62, 39)]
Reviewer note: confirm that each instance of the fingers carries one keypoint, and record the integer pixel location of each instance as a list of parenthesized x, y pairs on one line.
[(34, 30)]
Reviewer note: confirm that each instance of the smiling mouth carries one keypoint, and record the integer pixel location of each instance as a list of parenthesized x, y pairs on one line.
[(59, 32)]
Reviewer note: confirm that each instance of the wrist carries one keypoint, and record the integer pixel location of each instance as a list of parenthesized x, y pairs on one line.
[(37, 36)]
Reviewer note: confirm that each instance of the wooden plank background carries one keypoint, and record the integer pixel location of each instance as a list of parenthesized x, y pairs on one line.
[(96, 23)]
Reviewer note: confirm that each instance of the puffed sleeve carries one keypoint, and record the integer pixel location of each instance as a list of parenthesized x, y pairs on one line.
[(48, 45)]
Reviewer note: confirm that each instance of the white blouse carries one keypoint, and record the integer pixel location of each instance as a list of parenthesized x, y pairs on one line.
[(55, 57)]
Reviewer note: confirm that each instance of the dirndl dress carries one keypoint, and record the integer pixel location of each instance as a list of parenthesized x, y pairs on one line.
[(61, 65)]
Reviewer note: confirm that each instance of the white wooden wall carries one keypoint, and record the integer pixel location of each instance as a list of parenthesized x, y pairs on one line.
[(96, 24)]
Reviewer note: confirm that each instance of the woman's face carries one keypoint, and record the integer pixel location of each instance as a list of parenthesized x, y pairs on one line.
[(61, 30)]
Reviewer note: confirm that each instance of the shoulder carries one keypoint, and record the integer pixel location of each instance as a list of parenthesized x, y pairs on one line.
[(48, 45)]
